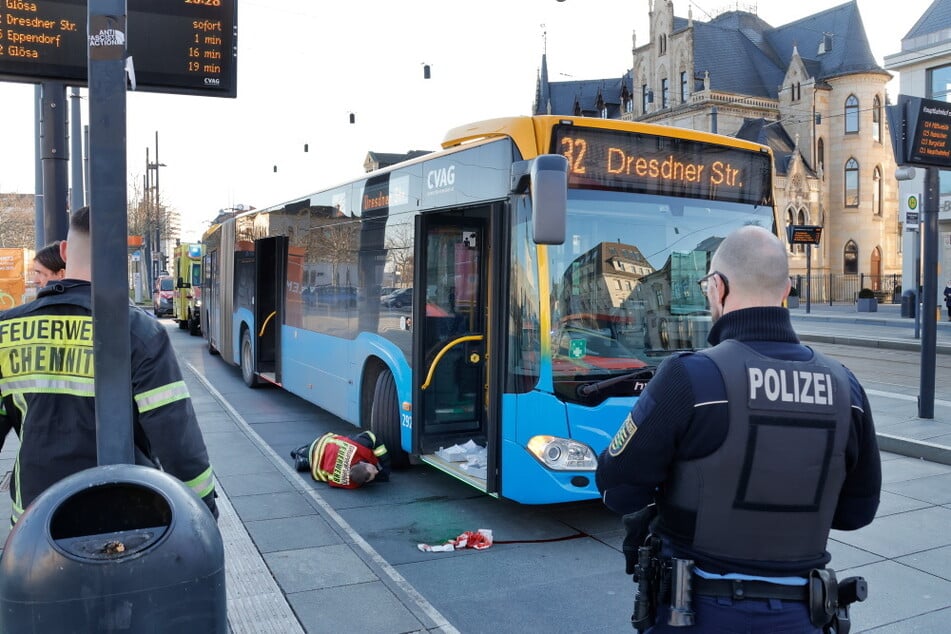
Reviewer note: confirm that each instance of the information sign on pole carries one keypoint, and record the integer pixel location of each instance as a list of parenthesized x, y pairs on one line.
[(803, 234), (181, 46)]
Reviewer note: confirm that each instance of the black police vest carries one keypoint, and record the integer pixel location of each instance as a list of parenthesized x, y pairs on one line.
[(770, 491)]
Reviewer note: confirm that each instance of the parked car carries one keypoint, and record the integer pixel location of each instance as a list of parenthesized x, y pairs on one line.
[(163, 295), (398, 299), (335, 296)]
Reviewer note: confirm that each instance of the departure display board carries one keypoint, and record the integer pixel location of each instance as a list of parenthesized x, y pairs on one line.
[(931, 138), (656, 164), (803, 234), (176, 46)]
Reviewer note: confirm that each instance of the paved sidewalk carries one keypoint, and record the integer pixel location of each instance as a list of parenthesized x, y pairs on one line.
[(292, 560), (899, 428)]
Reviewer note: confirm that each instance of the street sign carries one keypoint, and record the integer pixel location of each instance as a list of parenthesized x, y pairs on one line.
[(911, 220), (921, 131), (803, 234), (183, 47)]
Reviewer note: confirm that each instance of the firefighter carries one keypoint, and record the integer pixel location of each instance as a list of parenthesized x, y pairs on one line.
[(46, 383), (344, 461), (752, 450)]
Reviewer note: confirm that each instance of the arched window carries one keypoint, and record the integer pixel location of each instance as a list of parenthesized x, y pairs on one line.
[(821, 157), (851, 115), (851, 183), (877, 119), (850, 258), (877, 188)]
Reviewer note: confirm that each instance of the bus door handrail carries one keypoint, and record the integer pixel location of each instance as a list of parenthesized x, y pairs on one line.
[(264, 325), (442, 353)]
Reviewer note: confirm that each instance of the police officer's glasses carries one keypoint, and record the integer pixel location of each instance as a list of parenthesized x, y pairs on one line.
[(704, 282)]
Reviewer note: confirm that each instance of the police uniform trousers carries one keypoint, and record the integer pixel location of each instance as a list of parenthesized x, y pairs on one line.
[(741, 616)]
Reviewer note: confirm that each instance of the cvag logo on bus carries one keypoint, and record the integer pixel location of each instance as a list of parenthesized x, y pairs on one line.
[(441, 180)]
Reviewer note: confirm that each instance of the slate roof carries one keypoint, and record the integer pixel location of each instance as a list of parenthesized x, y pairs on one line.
[(935, 19), (584, 97), (759, 68), (385, 159), (775, 136)]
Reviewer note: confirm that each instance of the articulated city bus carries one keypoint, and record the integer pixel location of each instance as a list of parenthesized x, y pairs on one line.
[(549, 264), (186, 301)]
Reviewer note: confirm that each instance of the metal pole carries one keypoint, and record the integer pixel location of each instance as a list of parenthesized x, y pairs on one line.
[(147, 197), (916, 253), (808, 278), (55, 157), (78, 191), (38, 168), (112, 355), (929, 232)]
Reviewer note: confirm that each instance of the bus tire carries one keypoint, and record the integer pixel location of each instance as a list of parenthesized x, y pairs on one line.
[(385, 418), (182, 324), (247, 360)]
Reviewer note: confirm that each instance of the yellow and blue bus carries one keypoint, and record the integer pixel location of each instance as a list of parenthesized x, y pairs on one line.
[(186, 302), (550, 265)]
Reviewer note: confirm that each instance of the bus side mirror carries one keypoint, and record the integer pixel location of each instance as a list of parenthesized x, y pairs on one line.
[(549, 187)]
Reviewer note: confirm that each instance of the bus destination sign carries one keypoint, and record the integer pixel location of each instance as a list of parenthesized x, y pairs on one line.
[(176, 46), (655, 164)]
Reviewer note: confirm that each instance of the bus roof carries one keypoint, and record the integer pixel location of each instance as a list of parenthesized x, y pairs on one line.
[(532, 135)]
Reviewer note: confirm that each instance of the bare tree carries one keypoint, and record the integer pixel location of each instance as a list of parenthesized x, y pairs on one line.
[(17, 221)]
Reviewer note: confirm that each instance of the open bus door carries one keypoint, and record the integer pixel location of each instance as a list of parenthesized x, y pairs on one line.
[(270, 276), (454, 425)]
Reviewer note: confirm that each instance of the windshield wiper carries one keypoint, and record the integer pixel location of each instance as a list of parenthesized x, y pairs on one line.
[(663, 352), (589, 389)]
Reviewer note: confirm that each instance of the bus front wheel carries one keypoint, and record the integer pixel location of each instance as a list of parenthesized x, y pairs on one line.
[(385, 418), (247, 361)]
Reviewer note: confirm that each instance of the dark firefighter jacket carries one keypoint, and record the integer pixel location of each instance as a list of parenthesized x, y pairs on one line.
[(46, 383)]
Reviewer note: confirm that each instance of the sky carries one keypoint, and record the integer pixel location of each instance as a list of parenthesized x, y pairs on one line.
[(303, 67)]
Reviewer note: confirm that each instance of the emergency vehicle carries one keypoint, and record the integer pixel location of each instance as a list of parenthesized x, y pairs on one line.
[(186, 301)]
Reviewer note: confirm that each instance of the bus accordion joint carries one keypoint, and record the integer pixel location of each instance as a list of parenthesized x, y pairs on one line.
[(442, 353), (264, 325)]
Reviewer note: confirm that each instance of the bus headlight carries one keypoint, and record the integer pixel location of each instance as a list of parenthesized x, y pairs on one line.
[(562, 454)]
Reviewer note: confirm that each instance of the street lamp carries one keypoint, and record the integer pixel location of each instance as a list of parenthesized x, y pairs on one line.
[(156, 204)]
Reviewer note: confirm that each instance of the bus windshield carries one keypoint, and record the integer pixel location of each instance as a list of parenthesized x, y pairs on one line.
[(624, 288)]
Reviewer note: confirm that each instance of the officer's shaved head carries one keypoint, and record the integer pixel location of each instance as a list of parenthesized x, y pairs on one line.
[(757, 266)]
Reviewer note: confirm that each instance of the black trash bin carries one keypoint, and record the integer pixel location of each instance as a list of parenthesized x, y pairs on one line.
[(117, 548), (908, 303)]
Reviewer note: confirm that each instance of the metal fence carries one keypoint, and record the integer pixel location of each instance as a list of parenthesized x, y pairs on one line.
[(844, 288)]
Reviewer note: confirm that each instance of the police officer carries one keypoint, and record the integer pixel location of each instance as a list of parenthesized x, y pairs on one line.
[(46, 383), (752, 450)]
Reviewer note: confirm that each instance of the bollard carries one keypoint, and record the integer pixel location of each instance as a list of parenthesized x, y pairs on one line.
[(116, 548), (908, 303)]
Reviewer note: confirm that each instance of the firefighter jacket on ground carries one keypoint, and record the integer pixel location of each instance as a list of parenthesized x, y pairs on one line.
[(47, 388), (332, 455)]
